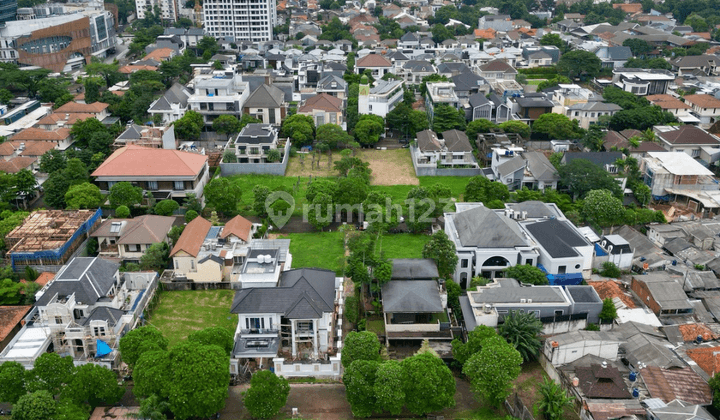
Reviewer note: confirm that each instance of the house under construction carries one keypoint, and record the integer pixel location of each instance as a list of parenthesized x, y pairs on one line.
[(47, 239)]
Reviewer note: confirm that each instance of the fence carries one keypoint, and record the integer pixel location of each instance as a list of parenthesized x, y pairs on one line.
[(228, 169), (320, 369), (431, 170), (517, 409)]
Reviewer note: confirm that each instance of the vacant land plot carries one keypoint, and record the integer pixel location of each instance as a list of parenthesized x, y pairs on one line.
[(318, 250), (390, 167), (181, 313), (302, 165), (403, 245)]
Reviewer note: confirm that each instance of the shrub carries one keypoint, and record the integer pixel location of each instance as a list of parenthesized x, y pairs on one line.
[(609, 269), (122, 212), (351, 309)]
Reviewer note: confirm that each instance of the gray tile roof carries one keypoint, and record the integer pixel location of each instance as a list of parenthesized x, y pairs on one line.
[(642, 348), (456, 141), (175, 95), (265, 96), (511, 166), (88, 278), (478, 99), (414, 269), (427, 141), (483, 228), (304, 293), (540, 167), (511, 292), (411, 296), (104, 313), (534, 209)]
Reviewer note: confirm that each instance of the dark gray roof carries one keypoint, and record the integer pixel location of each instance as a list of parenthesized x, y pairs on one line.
[(265, 96), (411, 296), (535, 102), (535, 209), (104, 313), (557, 237), (619, 53), (133, 132), (468, 81), (642, 348), (483, 228), (453, 67), (397, 56), (326, 83), (88, 278), (456, 141), (631, 328), (419, 66), (414, 269), (676, 245), (666, 291), (409, 37), (468, 313), (427, 141), (478, 99), (256, 133), (584, 294), (305, 293)]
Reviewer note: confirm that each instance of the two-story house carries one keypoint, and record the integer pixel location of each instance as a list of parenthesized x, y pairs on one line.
[(381, 98), (452, 150), (675, 106), (97, 109), (297, 316), (333, 85), (517, 168), (689, 139), (643, 82), (82, 313), (589, 113), (440, 93), (59, 137), (323, 108), (267, 103), (128, 239), (222, 93), (497, 70), (376, 63), (705, 107), (164, 173), (613, 57), (254, 142), (172, 105)]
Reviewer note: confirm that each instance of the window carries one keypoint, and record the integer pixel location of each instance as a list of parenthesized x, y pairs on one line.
[(192, 265), (696, 153), (464, 263), (559, 312), (179, 185), (254, 323), (58, 319), (177, 265), (99, 331), (132, 248), (561, 269), (152, 185), (304, 326)]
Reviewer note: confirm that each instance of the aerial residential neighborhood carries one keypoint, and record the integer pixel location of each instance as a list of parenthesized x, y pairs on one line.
[(328, 210)]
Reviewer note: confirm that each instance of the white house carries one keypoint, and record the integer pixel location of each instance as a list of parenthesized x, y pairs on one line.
[(566, 348), (172, 105)]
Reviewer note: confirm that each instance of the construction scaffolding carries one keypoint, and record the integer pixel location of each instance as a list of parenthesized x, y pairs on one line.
[(49, 237)]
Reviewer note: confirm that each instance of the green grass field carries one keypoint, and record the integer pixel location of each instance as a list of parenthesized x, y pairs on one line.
[(180, 313), (319, 250), (403, 245), (398, 193)]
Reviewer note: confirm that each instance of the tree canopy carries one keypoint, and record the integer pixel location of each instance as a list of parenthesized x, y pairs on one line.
[(267, 394), (493, 369), (526, 273), (223, 195), (442, 250), (581, 176), (579, 64), (362, 345)]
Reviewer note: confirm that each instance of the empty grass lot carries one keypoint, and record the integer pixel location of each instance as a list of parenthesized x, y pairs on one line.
[(318, 250), (181, 313), (403, 245)]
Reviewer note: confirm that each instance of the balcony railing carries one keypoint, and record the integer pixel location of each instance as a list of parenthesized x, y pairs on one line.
[(253, 331)]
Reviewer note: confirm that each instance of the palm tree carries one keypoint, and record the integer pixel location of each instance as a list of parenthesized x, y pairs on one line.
[(522, 330), (554, 400)]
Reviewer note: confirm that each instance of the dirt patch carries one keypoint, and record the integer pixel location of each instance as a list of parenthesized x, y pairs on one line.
[(390, 167), (302, 165), (527, 384)]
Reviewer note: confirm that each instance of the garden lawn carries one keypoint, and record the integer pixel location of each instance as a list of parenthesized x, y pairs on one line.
[(317, 250), (290, 184), (403, 245), (180, 313)]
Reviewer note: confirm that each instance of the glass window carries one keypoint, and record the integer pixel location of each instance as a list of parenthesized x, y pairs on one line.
[(179, 185), (152, 185)]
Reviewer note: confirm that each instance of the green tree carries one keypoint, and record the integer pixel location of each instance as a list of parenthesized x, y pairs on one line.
[(214, 336), (493, 370), (223, 195), (602, 208), (92, 89), (273, 155), (462, 352), (333, 135), (152, 374), (609, 269), (481, 189), (362, 345), (155, 258), (388, 388), (557, 127), (75, 172), (153, 408), (199, 381), (446, 118), (479, 126), (12, 381), (518, 127), (579, 63), (226, 124), (83, 130), (551, 39), (166, 207), (368, 129), (109, 72), (522, 331), (125, 194), (190, 215), (359, 379), (641, 118), (52, 161), (442, 250), (6, 96), (639, 47), (93, 385), (260, 194), (320, 214), (267, 394), (594, 138), (39, 405), (50, 373), (714, 383), (299, 128), (557, 80), (140, 340), (189, 126), (83, 196), (608, 312), (351, 191), (175, 233), (526, 273), (554, 400), (428, 384), (10, 292), (209, 47), (581, 176)]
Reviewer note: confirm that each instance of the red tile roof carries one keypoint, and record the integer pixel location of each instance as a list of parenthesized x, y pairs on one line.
[(33, 133), (10, 316), (373, 60), (78, 108), (238, 226), (708, 358), (322, 101), (44, 278), (703, 100), (16, 164), (667, 102), (160, 54), (132, 68), (691, 331), (37, 148), (192, 237), (147, 161), (677, 383), (611, 289), (689, 134), (69, 118)]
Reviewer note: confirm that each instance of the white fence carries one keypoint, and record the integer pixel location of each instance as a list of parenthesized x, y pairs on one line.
[(331, 369)]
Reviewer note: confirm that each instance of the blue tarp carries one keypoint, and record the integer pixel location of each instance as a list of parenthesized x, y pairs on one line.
[(599, 251), (142, 292), (102, 348)]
